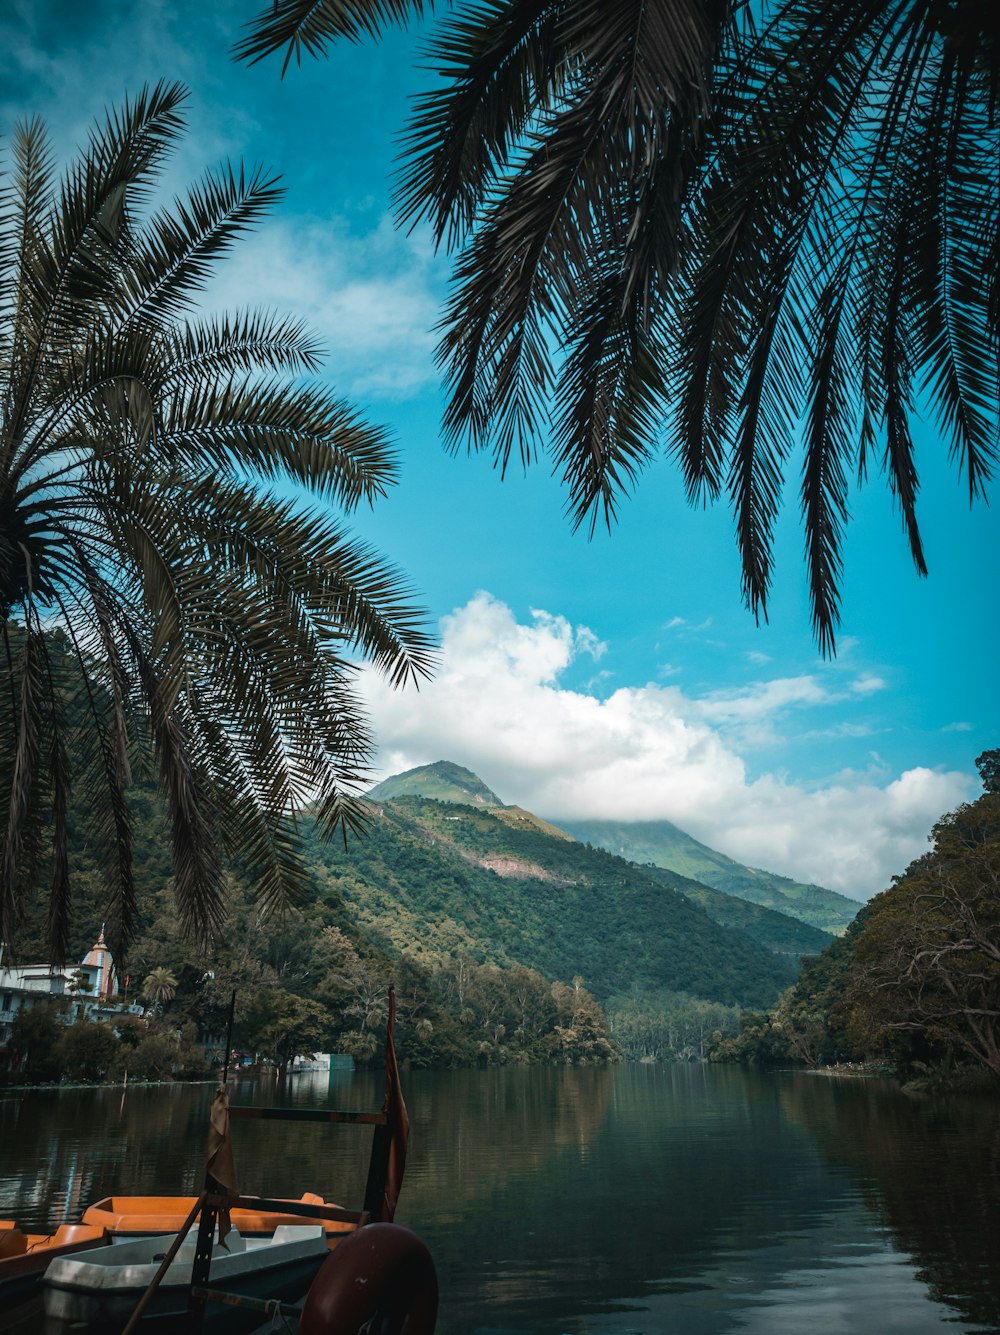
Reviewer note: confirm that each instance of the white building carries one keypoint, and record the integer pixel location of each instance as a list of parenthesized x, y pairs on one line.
[(86, 987)]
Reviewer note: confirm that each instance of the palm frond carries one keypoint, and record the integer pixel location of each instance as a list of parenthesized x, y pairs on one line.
[(212, 624), (175, 255), (310, 25), (502, 61), (605, 406), (760, 187)]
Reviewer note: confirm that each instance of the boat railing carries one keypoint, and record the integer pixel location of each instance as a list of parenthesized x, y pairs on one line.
[(211, 1203)]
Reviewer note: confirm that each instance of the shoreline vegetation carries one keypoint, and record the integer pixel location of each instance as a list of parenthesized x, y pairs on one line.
[(912, 987)]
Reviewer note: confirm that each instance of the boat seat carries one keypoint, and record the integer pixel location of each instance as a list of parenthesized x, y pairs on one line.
[(12, 1240)]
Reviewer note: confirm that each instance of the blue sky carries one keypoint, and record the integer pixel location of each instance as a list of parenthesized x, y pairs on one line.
[(620, 676)]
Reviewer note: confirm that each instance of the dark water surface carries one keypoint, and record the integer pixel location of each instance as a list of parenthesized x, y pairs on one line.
[(639, 1199)]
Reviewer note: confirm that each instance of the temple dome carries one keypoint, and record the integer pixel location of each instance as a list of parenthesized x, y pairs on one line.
[(99, 958)]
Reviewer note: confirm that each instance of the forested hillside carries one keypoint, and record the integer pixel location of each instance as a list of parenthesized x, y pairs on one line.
[(914, 983), (438, 877), (778, 932), (664, 845), (507, 941)]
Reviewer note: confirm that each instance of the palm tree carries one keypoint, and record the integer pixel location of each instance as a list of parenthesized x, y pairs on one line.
[(159, 986), (745, 232), (174, 581)]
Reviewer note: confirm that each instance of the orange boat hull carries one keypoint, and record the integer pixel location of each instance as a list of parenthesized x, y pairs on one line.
[(24, 1256), (139, 1216)]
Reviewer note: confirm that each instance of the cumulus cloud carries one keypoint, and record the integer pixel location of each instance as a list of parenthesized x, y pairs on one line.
[(650, 752), (371, 297)]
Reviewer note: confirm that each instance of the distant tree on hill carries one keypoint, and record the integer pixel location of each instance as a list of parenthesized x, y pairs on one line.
[(159, 986), (988, 764)]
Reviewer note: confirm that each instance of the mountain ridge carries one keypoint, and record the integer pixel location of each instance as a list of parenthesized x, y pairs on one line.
[(435, 878), (441, 781), (666, 845), (704, 872)]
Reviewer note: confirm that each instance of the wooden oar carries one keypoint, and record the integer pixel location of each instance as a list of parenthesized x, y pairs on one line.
[(171, 1252)]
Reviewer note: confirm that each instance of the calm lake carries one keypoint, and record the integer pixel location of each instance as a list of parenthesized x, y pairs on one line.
[(685, 1199)]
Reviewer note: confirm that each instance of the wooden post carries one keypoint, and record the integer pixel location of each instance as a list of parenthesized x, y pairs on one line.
[(378, 1167), (202, 1267)]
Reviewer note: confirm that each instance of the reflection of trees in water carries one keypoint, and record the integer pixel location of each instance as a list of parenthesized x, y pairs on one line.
[(471, 1132), (477, 1131), (63, 1150), (682, 1164), (930, 1169), (581, 1182)]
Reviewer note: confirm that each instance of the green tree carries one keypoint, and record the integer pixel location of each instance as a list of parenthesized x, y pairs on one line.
[(988, 764), (159, 986), (802, 1027), (281, 1025), (927, 962), (759, 1043), (167, 494), (714, 223), (34, 1033), (87, 1050)]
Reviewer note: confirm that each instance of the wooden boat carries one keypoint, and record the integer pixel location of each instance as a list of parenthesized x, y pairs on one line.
[(128, 1217), (101, 1289), (24, 1256), (210, 1278)]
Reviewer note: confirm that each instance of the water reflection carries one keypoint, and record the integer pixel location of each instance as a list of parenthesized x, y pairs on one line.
[(929, 1170), (598, 1202)]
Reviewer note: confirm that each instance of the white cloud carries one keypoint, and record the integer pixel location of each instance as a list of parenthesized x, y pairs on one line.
[(370, 298), (867, 684), (762, 699), (650, 752)]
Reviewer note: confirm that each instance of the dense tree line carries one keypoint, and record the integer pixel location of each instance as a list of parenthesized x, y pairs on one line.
[(44, 1049), (317, 993), (662, 1026), (915, 981)]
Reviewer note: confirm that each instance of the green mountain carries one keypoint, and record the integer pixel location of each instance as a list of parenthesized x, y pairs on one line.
[(443, 781), (664, 845), (777, 932), (437, 879)]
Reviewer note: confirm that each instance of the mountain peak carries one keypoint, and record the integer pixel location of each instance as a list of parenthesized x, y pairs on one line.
[(444, 781)]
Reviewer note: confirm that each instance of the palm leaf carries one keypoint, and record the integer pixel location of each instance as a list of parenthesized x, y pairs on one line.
[(310, 25)]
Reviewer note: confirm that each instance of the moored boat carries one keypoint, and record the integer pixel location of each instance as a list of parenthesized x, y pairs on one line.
[(24, 1256), (100, 1290), (128, 1217)]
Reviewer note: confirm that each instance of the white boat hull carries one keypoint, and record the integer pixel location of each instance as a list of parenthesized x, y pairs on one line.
[(102, 1288)]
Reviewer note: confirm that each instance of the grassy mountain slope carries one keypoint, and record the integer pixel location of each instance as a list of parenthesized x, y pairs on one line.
[(444, 781), (665, 845), (437, 878), (776, 931)]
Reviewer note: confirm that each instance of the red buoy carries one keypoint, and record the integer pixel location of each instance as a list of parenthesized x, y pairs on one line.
[(381, 1279)]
